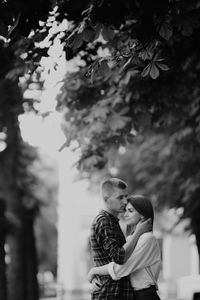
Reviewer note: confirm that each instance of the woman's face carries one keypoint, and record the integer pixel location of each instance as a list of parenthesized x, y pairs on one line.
[(132, 216)]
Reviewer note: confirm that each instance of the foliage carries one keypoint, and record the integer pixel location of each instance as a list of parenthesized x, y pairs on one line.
[(114, 94), (21, 17), (139, 72), (140, 67), (166, 168), (109, 111), (138, 34)]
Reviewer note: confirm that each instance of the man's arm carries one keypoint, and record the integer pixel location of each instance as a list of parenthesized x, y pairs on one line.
[(107, 238), (102, 270), (145, 254)]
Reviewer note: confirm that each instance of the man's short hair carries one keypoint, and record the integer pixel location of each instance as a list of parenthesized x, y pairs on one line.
[(108, 186)]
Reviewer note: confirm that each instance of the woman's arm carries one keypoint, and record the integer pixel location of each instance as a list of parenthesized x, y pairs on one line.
[(128, 247), (146, 253), (141, 228), (102, 270)]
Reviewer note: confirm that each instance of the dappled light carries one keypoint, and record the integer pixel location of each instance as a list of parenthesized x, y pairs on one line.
[(91, 90)]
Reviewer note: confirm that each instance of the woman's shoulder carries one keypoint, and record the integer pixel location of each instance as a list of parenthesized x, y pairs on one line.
[(147, 237)]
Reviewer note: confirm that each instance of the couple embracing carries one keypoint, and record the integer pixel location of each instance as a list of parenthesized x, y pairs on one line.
[(126, 268)]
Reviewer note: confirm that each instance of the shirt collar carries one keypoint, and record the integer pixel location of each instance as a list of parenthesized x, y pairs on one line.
[(106, 213)]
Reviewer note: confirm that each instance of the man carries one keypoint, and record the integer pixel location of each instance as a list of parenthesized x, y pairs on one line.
[(108, 242)]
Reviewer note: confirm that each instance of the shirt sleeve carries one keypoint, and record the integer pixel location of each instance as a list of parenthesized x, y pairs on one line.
[(107, 238), (145, 254)]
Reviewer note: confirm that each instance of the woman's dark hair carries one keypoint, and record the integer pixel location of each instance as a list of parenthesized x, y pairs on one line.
[(143, 205)]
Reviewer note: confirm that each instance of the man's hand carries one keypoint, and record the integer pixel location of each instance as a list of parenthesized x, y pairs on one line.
[(91, 275), (95, 282), (144, 226), (95, 285)]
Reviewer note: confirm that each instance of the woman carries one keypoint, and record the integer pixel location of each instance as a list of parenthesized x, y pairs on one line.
[(144, 264)]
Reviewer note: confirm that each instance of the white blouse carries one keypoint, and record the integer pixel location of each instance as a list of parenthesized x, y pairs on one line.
[(143, 265)]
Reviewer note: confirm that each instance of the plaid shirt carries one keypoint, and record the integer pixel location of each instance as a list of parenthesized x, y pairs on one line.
[(107, 240)]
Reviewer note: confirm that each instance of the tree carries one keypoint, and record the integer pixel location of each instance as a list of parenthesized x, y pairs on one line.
[(142, 40), (17, 20), (139, 69), (15, 186), (130, 86), (141, 76), (3, 289)]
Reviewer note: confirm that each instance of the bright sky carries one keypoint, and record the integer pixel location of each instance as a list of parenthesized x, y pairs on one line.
[(45, 132)]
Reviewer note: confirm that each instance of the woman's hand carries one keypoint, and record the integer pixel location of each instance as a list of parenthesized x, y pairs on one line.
[(144, 226)]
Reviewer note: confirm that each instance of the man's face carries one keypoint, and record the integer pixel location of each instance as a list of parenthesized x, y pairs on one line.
[(117, 201)]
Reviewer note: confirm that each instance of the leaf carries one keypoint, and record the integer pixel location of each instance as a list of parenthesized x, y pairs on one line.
[(88, 11), (128, 75), (124, 110), (117, 100), (146, 70), (100, 3), (94, 70), (127, 63), (154, 72), (103, 68), (88, 35), (187, 29), (76, 40), (128, 97), (97, 127), (107, 33), (145, 54), (117, 121), (162, 66), (166, 31), (14, 26), (148, 51), (100, 111)]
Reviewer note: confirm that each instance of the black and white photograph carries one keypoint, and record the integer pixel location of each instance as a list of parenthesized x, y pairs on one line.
[(99, 149)]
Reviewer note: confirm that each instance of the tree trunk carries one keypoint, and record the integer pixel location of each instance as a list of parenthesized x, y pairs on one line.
[(32, 291), (25, 264), (2, 251), (16, 268), (22, 269)]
